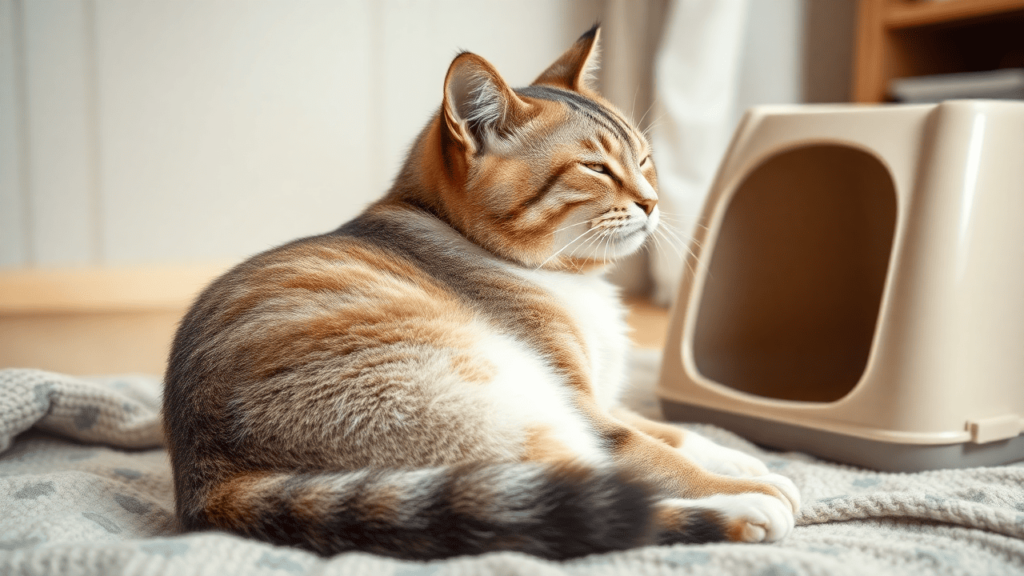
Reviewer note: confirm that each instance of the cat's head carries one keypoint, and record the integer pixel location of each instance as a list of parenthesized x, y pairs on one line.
[(550, 174)]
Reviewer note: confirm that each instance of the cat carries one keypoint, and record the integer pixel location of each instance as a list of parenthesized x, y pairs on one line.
[(439, 376)]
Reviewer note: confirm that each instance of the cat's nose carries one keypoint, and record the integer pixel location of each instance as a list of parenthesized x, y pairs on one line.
[(647, 205)]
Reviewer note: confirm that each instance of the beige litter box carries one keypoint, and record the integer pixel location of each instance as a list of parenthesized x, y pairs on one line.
[(858, 291)]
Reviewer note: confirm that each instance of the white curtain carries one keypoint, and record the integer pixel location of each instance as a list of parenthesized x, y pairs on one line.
[(696, 76)]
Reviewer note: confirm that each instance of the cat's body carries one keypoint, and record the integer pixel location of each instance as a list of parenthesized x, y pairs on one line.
[(440, 375)]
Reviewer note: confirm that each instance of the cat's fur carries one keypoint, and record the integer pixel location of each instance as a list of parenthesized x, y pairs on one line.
[(439, 376)]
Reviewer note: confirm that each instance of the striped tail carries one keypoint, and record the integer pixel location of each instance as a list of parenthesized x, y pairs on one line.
[(554, 512)]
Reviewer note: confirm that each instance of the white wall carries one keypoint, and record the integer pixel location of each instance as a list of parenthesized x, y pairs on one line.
[(206, 130), (12, 193)]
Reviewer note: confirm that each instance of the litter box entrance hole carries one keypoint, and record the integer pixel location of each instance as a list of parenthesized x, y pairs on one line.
[(795, 280)]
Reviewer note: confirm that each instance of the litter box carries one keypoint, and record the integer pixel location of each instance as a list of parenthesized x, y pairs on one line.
[(856, 290)]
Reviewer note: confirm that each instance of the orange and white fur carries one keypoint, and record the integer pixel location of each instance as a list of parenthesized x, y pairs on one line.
[(440, 375)]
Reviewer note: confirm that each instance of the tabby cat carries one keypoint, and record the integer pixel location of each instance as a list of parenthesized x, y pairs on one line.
[(439, 376)]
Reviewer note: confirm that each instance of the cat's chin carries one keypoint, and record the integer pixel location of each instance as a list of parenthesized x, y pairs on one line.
[(626, 244)]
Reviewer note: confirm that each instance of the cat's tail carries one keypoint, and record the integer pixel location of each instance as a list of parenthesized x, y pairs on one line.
[(551, 511)]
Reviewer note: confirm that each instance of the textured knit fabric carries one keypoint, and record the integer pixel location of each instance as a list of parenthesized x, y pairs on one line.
[(86, 489)]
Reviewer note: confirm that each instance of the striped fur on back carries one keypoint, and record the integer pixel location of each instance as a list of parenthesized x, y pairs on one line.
[(439, 376)]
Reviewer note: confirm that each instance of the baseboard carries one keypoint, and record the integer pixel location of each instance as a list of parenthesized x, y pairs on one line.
[(95, 320)]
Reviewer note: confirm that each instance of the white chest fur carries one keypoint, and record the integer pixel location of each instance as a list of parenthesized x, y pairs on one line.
[(595, 306), (527, 393)]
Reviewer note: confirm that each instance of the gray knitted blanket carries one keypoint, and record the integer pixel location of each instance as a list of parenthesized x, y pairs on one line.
[(86, 489)]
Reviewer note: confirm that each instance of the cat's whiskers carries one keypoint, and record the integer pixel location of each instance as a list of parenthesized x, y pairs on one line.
[(596, 239), (679, 235), (657, 243), (571, 256), (668, 216), (665, 233), (605, 239), (669, 241), (607, 243), (649, 108), (674, 222), (569, 226), (602, 232), (677, 219), (685, 242), (549, 258), (673, 225), (654, 123), (667, 230), (647, 131), (632, 108), (610, 228)]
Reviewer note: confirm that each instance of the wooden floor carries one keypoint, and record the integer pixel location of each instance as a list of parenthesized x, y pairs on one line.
[(649, 323)]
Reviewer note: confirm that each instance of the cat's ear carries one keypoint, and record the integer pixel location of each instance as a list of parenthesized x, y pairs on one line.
[(478, 104), (576, 68)]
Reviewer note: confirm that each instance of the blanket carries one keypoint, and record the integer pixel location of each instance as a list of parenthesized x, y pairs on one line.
[(85, 488)]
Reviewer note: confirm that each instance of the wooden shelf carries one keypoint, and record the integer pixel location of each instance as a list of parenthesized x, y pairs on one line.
[(904, 38), (911, 13)]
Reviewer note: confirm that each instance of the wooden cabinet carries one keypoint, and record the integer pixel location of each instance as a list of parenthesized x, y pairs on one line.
[(901, 38)]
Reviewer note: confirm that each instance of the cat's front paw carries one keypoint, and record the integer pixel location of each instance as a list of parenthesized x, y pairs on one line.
[(789, 491), (749, 517), (719, 459), (753, 517)]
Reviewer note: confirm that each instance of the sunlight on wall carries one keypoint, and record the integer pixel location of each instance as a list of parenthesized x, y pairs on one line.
[(175, 131)]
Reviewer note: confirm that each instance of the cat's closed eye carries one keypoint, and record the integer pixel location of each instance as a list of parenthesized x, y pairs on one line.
[(599, 168)]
